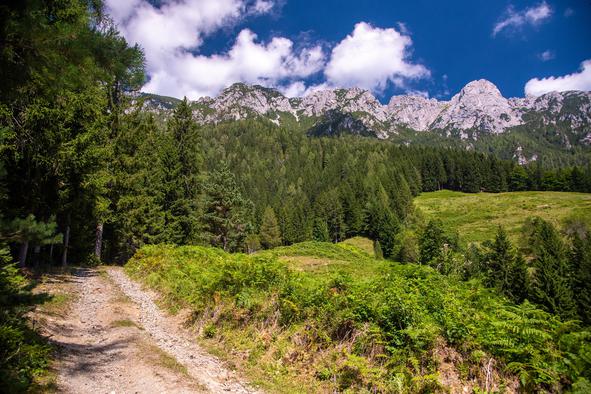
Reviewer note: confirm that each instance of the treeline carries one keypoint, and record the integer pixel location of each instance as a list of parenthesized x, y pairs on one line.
[(248, 185), (455, 170), (241, 186), (548, 268)]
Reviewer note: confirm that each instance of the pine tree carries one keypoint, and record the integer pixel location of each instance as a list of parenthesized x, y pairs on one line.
[(270, 233), (550, 282), (431, 242), (320, 230), (381, 222), (377, 250), (518, 179), (580, 259), (227, 213), (505, 270)]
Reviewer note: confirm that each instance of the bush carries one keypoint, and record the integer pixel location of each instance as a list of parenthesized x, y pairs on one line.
[(23, 354)]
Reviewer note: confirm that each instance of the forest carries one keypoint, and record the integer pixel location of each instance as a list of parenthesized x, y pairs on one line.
[(89, 177)]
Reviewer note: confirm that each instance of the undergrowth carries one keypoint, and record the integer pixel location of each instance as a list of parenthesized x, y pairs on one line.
[(300, 331), (24, 355)]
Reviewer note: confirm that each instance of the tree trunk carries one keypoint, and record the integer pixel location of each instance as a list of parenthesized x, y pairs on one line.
[(50, 254), (37, 255), (66, 245), (22, 256), (225, 243), (98, 243)]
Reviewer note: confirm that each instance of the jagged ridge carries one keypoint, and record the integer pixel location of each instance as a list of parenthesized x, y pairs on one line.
[(478, 108)]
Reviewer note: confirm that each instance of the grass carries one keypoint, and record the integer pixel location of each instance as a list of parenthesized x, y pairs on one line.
[(162, 359), (362, 243), (352, 257), (57, 304), (125, 323), (319, 317), (476, 216)]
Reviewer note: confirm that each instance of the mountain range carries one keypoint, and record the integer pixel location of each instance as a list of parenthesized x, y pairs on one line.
[(560, 120)]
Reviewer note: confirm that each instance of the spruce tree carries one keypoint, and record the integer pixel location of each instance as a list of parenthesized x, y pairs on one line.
[(580, 258), (270, 233), (320, 230), (226, 219), (431, 242), (550, 284), (518, 179), (504, 269)]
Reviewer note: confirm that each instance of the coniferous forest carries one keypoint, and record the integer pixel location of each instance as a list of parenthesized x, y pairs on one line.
[(87, 176)]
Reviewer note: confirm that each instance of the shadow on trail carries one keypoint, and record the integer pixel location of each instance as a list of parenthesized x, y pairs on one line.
[(80, 359)]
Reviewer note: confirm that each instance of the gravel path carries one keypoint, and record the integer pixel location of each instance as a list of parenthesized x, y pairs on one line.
[(175, 341), (112, 338)]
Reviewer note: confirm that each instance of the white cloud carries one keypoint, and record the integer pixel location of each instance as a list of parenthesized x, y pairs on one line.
[(546, 55), (569, 12), (516, 19), (172, 34), (295, 89), (371, 58), (576, 81), (263, 6), (248, 61)]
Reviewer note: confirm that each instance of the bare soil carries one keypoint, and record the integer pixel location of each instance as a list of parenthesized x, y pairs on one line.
[(111, 337)]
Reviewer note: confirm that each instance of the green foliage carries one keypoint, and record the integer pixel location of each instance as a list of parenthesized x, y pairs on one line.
[(580, 262), (477, 216), (503, 267), (549, 284), (408, 308), (227, 213), (270, 233), (437, 249), (23, 354)]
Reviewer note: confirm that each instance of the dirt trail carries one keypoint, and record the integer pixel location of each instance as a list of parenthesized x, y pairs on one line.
[(114, 339)]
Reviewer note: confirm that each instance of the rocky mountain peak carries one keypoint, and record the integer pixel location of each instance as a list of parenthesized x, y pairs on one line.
[(478, 108), (480, 87), (416, 112)]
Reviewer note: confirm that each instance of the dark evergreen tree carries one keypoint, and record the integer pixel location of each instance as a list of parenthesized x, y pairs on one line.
[(504, 268), (550, 283), (270, 233), (431, 242), (580, 260), (227, 213), (519, 179)]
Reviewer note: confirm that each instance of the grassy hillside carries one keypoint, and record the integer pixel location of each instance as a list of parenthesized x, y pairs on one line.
[(476, 216), (319, 317)]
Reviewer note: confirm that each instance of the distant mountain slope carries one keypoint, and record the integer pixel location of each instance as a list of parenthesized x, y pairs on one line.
[(472, 118)]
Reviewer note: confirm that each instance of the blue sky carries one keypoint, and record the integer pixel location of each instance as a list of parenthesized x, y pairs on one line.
[(197, 47)]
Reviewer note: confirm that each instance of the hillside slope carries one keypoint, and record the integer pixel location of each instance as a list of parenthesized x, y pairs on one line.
[(400, 328), (476, 216)]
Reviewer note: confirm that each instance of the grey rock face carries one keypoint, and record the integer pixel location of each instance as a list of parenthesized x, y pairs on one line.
[(416, 112), (478, 108)]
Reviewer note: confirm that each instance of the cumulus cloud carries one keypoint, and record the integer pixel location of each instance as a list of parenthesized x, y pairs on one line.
[(372, 57), (172, 34), (516, 19), (247, 61), (263, 6), (546, 55), (576, 81)]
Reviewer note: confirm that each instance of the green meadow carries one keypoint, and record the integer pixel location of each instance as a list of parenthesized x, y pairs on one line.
[(477, 216)]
